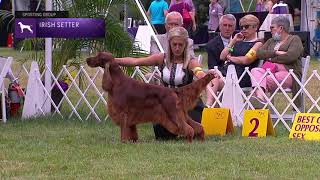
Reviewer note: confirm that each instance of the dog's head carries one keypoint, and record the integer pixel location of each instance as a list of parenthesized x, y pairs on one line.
[(100, 59)]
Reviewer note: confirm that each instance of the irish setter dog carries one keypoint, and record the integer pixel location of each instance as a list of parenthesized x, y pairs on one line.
[(131, 102)]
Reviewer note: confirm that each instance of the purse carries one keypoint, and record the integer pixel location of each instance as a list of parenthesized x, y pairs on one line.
[(185, 14), (270, 65)]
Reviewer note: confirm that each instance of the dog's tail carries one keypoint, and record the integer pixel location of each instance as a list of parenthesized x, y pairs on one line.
[(190, 93)]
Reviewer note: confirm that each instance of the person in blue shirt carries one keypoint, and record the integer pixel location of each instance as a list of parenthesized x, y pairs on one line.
[(157, 13), (233, 6)]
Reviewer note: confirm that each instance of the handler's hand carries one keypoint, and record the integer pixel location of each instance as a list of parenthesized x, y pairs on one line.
[(214, 72), (281, 52)]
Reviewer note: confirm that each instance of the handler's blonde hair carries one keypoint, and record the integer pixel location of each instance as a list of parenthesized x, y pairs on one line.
[(182, 33)]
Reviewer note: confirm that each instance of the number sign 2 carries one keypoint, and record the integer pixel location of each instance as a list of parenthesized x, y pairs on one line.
[(257, 123)]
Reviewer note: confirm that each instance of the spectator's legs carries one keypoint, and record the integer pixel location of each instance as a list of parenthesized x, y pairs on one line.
[(280, 75), (257, 74), (215, 85), (268, 83)]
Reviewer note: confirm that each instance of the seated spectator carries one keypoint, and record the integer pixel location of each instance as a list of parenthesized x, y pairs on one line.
[(172, 20), (240, 52), (215, 13), (188, 23), (214, 47), (282, 52), (177, 68), (158, 11)]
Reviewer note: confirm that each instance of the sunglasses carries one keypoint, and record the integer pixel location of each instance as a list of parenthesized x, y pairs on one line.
[(246, 26)]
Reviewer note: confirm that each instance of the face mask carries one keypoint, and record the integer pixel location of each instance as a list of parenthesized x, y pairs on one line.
[(276, 36)]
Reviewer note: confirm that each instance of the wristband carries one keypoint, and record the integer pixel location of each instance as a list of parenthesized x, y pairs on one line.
[(196, 74), (228, 46), (196, 69)]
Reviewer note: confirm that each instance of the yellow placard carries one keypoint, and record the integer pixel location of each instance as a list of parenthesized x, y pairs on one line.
[(257, 123), (217, 121), (306, 126)]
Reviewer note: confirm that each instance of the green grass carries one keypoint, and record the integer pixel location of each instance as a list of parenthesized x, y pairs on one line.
[(52, 148)]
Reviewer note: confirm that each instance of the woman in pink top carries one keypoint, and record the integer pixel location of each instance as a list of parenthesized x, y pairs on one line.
[(189, 25), (265, 5)]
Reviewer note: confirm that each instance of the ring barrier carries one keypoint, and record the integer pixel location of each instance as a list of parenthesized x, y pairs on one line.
[(85, 98)]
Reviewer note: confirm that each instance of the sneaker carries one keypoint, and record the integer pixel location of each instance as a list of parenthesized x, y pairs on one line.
[(257, 103)]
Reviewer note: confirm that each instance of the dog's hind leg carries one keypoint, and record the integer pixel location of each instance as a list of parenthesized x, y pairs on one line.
[(170, 126), (170, 105), (125, 133), (176, 116), (188, 131), (197, 127)]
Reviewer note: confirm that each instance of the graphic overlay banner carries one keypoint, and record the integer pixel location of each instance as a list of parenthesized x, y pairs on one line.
[(306, 126), (59, 28)]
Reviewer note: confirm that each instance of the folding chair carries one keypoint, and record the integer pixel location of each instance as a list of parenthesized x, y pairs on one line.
[(5, 65)]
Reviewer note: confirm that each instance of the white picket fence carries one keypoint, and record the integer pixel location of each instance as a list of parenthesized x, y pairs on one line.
[(89, 101)]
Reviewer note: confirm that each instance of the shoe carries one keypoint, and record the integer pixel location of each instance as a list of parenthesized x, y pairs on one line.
[(257, 103)]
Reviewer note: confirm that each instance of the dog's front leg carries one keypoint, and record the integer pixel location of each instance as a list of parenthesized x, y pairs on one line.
[(125, 133)]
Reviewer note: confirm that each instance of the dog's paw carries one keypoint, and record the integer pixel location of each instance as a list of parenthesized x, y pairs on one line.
[(189, 133)]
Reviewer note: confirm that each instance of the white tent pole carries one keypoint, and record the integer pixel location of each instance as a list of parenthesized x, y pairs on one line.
[(38, 6), (149, 25), (242, 6), (249, 6), (13, 8), (48, 61), (125, 16), (303, 21)]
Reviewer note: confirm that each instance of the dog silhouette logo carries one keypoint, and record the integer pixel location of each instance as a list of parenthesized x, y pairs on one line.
[(27, 27)]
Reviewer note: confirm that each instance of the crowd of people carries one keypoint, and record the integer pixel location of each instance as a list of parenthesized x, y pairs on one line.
[(179, 66), (158, 9)]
